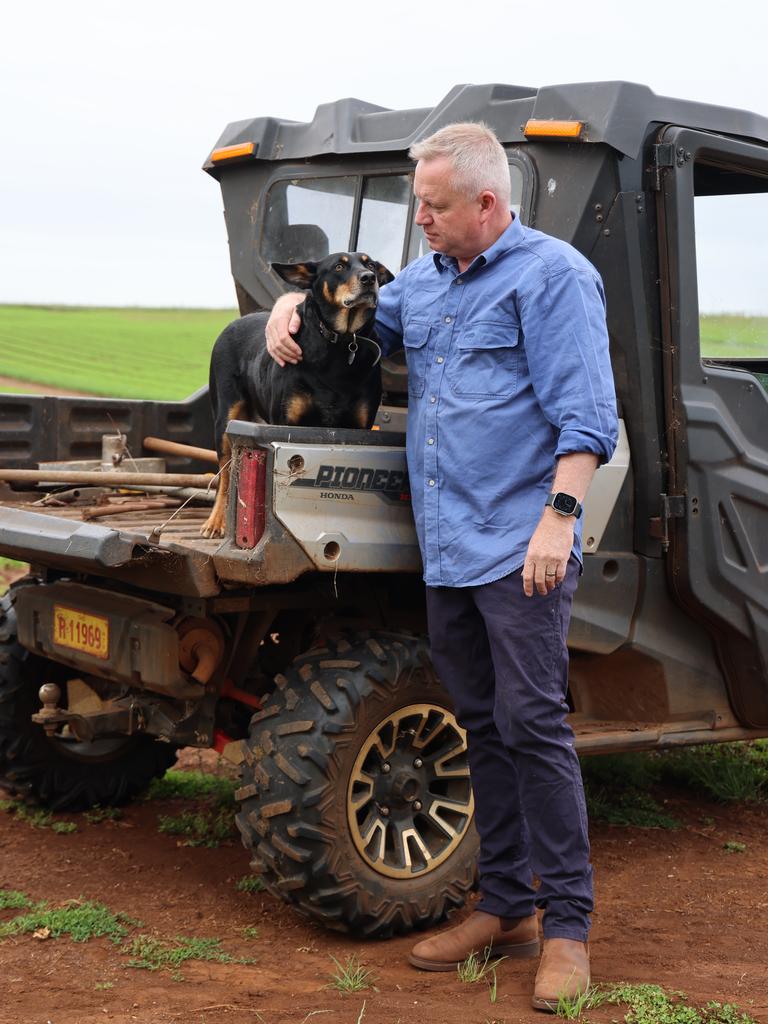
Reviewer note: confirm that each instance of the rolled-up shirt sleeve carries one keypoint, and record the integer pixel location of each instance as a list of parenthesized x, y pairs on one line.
[(566, 345)]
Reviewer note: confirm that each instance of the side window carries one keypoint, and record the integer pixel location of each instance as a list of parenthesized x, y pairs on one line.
[(384, 218), (731, 212), (308, 218)]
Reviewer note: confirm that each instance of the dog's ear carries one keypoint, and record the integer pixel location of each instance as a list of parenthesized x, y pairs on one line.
[(301, 274), (382, 274)]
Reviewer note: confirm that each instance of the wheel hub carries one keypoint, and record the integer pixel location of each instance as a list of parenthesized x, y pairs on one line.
[(409, 801)]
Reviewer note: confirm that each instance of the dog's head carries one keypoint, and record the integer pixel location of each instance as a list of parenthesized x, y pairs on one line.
[(345, 286)]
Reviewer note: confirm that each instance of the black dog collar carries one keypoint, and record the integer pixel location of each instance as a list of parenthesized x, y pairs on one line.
[(333, 337)]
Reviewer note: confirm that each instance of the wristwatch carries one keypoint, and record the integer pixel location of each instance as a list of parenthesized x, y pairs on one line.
[(565, 504)]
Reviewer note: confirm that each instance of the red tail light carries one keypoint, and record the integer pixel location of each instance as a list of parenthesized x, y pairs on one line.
[(251, 496)]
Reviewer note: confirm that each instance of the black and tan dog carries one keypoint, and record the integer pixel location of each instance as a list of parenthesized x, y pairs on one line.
[(336, 384)]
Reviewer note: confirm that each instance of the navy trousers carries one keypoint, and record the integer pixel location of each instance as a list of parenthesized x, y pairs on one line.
[(503, 658)]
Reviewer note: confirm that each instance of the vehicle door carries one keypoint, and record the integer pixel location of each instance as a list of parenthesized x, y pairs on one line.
[(713, 236)]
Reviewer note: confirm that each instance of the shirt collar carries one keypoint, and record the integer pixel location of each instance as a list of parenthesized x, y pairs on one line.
[(507, 240)]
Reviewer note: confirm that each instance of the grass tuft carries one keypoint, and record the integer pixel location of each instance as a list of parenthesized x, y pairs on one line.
[(250, 883), (147, 952), (97, 814), (727, 772), (650, 1004), (476, 968), (619, 787), (351, 976), (732, 846), (212, 822), (572, 1007), (80, 919), (631, 807), (179, 785), (209, 827), (12, 899), (36, 816), (616, 787)]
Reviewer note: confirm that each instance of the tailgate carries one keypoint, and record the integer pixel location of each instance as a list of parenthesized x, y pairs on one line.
[(134, 548)]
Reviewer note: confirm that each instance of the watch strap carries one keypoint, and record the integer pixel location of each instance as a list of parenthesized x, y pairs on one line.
[(575, 510)]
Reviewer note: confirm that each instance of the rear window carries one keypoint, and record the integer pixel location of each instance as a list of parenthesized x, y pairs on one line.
[(308, 218)]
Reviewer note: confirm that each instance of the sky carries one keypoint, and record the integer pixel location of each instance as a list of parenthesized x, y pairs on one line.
[(109, 109)]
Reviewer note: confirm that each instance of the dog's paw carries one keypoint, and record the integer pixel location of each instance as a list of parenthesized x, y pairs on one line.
[(213, 526)]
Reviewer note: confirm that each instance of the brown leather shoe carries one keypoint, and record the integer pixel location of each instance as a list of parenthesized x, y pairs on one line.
[(514, 937), (563, 971)]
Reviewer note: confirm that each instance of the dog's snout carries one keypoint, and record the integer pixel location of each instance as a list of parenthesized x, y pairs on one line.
[(367, 277)]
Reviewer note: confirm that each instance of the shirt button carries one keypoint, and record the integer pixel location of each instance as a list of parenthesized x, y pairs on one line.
[(448, 319), (459, 281), (432, 399), (430, 440), (439, 359), (431, 483)]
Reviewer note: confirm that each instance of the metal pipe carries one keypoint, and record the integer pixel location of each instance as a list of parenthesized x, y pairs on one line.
[(179, 492), (159, 444)]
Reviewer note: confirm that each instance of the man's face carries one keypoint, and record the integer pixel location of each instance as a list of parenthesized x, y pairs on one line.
[(452, 222)]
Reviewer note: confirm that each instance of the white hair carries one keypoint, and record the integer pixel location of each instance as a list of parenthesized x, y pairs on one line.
[(478, 158)]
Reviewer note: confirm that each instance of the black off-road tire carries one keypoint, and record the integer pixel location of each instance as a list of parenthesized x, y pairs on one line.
[(59, 775), (303, 758)]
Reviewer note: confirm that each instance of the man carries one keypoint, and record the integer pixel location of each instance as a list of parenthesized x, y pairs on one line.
[(511, 401)]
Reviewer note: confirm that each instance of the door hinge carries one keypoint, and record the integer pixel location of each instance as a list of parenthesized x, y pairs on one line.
[(672, 507), (662, 155)]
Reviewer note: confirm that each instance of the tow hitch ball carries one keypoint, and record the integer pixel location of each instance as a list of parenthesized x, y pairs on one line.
[(113, 721), (50, 716)]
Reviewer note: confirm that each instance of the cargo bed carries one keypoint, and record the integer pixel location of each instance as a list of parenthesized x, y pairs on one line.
[(299, 530)]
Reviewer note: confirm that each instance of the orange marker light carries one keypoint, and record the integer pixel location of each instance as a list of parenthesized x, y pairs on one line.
[(554, 129), (233, 152)]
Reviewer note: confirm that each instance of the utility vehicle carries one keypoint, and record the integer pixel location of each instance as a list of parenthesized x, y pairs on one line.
[(297, 644)]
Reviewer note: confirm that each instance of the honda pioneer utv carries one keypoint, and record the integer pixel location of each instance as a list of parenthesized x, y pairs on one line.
[(296, 645)]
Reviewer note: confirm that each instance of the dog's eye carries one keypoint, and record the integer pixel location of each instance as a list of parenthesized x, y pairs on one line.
[(339, 267)]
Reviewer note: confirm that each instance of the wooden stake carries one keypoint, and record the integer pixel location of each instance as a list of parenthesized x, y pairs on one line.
[(109, 479), (159, 444)]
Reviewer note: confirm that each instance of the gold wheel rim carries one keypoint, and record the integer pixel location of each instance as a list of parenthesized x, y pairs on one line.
[(409, 799)]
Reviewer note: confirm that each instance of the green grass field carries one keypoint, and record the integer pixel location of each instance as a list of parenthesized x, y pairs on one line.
[(126, 353), (736, 337), (164, 353)]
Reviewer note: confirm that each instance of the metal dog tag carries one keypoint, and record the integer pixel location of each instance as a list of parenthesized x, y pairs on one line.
[(352, 351)]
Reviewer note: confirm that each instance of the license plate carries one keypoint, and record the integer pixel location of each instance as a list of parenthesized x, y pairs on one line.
[(81, 631)]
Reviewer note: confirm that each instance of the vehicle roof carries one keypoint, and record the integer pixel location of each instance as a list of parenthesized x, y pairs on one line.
[(616, 113)]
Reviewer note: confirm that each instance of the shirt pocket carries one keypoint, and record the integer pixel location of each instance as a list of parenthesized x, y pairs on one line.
[(415, 340), (485, 361)]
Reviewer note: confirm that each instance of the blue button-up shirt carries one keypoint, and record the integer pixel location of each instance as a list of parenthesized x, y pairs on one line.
[(508, 369)]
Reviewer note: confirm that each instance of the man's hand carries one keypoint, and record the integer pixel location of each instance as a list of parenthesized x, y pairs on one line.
[(548, 553), (283, 322)]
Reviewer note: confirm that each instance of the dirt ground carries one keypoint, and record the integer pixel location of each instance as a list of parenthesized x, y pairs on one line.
[(8, 573), (674, 908), (30, 388)]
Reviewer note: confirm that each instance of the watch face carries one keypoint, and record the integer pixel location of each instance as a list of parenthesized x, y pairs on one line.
[(564, 503)]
